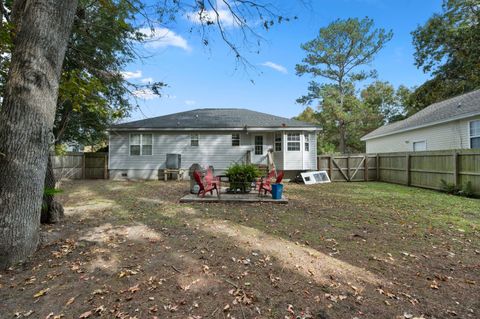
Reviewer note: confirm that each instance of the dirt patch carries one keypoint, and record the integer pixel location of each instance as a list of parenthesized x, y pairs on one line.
[(345, 250)]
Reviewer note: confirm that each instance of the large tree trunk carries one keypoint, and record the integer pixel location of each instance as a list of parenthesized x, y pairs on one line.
[(26, 117)]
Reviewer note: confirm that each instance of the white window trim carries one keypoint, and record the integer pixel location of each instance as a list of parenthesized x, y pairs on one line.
[(239, 140), (299, 142), (469, 136), (306, 140), (418, 141), (198, 140), (141, 144)]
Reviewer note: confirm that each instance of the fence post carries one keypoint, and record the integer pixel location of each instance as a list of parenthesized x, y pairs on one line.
[(83, 165), (455, 169), (105, 169), (377, 164), (330, 167), (407, 168), (365, 168), (348, 168)]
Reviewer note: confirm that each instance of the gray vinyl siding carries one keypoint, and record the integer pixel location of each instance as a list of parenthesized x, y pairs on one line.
[(215, 148), (451, 135)]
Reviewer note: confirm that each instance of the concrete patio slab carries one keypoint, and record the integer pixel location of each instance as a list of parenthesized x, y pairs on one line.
[(232, 198)]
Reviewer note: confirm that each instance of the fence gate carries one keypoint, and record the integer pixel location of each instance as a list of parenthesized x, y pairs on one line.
[(95, 165), (347, 168)]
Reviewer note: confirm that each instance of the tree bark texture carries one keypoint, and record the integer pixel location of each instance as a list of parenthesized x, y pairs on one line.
[(42, 28), (52, 211)]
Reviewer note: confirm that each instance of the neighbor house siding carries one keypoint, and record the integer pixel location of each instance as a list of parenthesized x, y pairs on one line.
[(451, 135)]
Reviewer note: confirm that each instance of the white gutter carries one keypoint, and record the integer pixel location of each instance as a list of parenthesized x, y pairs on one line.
[(455, 118), (248, 129)]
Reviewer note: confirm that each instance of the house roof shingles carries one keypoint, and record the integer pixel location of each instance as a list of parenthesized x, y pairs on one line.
[(212, 118), (454, 108)]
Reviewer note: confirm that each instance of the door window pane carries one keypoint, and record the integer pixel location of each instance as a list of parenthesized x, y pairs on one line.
[(258, 145)]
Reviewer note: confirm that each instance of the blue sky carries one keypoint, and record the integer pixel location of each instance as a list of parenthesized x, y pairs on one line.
[(199, 76)]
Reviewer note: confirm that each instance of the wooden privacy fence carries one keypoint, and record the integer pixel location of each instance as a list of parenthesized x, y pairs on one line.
[(76, 165), (421, 169)]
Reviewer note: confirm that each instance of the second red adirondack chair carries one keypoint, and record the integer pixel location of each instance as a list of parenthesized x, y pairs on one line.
[(266, 183), (209, 186)]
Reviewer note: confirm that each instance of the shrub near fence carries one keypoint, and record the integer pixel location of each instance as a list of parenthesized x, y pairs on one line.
[(421, 169)]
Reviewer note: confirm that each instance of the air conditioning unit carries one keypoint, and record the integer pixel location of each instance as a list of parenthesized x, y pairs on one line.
[(174, 161)]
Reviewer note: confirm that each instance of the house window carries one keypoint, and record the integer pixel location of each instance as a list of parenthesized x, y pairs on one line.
[(194, 140), (278, 141), (235, 139), (293, 142), (141, 144), (258, 145), (307, 143), (475, 134), (419, 146)]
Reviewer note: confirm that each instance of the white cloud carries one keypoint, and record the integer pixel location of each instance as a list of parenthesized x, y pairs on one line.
[(147, 80), (224, 15), (145, 94), (190, 102), (127, 75), (162, 38), (275, 66)]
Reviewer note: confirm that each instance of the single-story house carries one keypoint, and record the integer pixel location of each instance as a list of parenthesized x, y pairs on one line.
[(215, 136), (450, 124)]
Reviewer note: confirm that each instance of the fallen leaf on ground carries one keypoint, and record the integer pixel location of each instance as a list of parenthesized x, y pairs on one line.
[(41, 293), (70, 301), (84, 315)]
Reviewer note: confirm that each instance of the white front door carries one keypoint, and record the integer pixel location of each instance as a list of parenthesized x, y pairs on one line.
[(259, 149)]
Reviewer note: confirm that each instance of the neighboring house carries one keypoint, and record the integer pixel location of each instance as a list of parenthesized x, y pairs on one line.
[(450, 124), (217, 137)]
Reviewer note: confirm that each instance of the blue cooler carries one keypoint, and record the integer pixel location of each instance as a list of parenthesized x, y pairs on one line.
[(277, 190)]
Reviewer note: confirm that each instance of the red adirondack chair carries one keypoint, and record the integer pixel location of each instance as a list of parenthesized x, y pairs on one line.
[(266, 183), (205, 187), (212, 180)]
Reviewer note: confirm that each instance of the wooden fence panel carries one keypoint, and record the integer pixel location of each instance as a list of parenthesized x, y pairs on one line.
[(469, 170), (76, 165), (67, 166), (393, 168), (427, 170), (421, 169)]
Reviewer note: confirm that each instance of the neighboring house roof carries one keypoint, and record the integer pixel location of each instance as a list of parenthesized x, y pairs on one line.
[(455, 108), (211, 119)]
